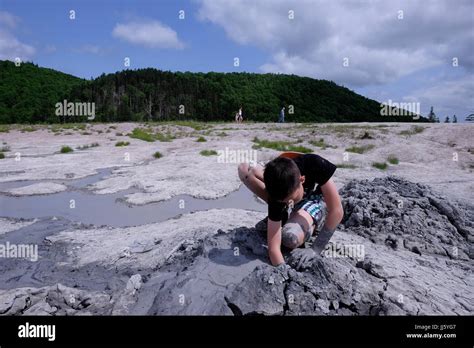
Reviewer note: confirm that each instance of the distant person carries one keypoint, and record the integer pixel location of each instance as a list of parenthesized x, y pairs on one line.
[(281, 119), (238, 116)]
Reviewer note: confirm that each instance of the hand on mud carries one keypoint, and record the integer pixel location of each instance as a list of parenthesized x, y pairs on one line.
[(283, 267), (302, 258)]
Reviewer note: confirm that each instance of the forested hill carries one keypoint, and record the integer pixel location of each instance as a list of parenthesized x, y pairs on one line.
[(29, 93)]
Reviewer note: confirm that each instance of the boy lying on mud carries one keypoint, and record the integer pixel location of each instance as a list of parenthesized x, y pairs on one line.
[(302, 200)]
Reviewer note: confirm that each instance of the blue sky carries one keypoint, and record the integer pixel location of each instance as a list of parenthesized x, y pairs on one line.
[(85, 46), (403, 56)]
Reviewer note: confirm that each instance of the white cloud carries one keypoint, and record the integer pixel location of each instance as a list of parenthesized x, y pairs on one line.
[(8, 20), (446, 96), (10, 47), (380, 47), (148, 33)]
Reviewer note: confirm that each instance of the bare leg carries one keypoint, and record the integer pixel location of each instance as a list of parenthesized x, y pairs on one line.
[(252, 177), (293, 232)]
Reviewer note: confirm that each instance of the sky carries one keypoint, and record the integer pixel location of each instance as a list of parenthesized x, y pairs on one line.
[(410, 51)]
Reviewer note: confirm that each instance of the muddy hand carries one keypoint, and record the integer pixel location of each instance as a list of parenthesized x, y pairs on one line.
[(303, 257)]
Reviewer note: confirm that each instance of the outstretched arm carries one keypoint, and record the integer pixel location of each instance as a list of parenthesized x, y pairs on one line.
[(274, 242), (333, 204), (334, 216)]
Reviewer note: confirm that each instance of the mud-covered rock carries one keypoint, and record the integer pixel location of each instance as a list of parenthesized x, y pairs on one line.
[(402, 214), (400, 250), (389, 257), (54, 300)]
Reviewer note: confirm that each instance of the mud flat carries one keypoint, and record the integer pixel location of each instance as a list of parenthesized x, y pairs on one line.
[(201, 263), (440, 155), (404, 247)]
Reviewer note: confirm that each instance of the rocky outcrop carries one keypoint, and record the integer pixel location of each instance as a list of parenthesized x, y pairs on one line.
[(53, 300), (63, 300), (408, 216), (400, 250)]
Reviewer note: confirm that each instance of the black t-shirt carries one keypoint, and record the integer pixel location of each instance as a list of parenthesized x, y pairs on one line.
[(317, 172)]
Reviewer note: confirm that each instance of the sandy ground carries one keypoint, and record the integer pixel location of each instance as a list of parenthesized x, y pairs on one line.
[(440, 156)]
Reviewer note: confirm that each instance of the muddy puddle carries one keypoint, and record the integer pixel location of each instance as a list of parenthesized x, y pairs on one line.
[(80, 205)]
